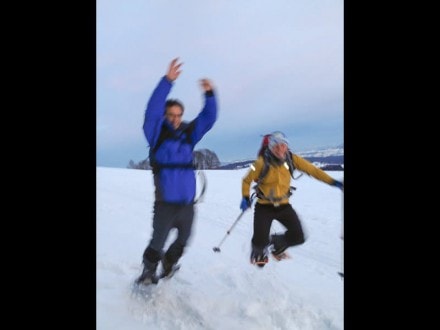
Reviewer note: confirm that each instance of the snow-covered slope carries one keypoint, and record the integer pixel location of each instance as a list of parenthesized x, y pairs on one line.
[(218, 290)]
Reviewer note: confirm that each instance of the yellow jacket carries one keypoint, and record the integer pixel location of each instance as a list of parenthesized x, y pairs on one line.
[(276, 183)]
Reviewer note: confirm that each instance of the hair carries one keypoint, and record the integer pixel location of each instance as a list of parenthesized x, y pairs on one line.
[(264, 145), (172, 102)]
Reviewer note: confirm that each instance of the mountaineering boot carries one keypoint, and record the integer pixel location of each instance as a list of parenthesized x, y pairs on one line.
[(148, 275), (279, 247), (259, 256), (167, 267), (150, 259), (169, 260)]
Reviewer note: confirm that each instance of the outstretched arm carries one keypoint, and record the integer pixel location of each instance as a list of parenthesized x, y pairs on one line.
[(304, 166), (154, 114)]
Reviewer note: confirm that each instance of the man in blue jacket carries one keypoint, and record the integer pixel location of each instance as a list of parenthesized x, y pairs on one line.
[(172, 142)]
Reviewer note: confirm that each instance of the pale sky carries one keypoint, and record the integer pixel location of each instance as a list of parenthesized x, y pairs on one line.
[(217, 291), (276, 65)]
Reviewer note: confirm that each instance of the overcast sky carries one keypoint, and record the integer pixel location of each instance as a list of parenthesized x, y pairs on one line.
[(276, 65)]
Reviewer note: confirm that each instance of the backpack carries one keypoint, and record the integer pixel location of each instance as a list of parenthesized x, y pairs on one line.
[(268, 158), (264, 145)]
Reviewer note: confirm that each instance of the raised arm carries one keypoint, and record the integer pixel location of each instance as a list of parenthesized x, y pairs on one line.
[(154, 113), (207, 117)]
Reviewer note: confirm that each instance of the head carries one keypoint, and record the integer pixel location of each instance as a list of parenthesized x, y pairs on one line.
[(278, 144), (174, 112)]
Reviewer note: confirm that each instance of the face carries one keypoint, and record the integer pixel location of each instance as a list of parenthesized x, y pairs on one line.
[(174, 115), (279, 150)]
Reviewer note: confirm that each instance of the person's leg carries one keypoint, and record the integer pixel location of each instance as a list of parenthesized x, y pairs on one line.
[(263, 216), (183, 223), (150, 261), (162, 224), (163, 219), (294, 234)]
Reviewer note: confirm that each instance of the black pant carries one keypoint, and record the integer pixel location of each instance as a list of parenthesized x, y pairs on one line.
[(166, 217), (286, 215)]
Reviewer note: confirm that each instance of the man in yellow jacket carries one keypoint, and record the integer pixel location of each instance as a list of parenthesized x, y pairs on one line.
[(273, 192)]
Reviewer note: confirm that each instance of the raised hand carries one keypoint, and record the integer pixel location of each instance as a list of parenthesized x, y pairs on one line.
[(174, 70), (206, 85)]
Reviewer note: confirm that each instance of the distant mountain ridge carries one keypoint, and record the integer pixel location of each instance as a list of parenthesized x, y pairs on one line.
[(323, 152), (327, 158)]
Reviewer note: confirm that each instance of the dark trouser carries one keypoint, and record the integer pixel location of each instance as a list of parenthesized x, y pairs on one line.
[(286, 215), (166, 217)]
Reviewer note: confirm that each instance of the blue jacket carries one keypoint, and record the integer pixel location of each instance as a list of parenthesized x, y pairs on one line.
[(175, 180)]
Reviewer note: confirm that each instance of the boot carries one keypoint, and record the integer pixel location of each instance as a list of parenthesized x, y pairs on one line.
[(148, 275), (169, 260), (167, 267), (279, 244), (259, 256)]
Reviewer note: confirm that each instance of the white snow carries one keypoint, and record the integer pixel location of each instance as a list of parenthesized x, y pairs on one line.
[(218, 290)]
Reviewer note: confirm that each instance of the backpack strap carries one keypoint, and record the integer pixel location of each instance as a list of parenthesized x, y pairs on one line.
[(290, 163), (268, 159), (166, 134)]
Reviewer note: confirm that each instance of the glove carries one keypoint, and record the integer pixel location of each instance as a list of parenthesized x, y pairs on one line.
[(245, 203), (338, 184)]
